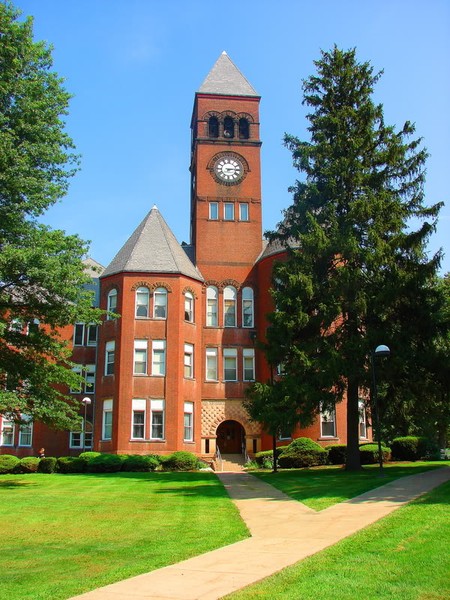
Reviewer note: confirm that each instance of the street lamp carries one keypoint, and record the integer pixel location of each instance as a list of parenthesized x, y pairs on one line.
[(381, 350), (86, 401)]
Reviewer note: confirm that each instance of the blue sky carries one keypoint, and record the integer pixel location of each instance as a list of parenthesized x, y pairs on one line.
[(133, 67)]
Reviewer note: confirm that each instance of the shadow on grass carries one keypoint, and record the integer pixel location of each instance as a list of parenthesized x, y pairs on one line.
[(15, 483)]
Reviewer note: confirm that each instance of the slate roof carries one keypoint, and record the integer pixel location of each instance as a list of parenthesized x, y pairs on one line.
[(152, 248), (226, 79)]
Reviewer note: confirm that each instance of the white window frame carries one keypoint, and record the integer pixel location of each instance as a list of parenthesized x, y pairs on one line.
[(228, 211), (189, 307), (79, 371), (159, 358), (229, 306), (139, 406), (213, 211), (91, 340), (160, 303), (230, 356), (244, 214), (142, 293), (140, 357), (9, 427), (188, 430), (89, 379), (26, 431), (82, 438), (157, 408), (110, 352), (326, 418), (107, 420), (211, 373), (248, 364), (111, 305), (188, 370), (248, 307), (212, 305), (362, 427), (78, 332)]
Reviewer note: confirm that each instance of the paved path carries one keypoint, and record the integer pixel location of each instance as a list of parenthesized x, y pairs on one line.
[(275, 521)]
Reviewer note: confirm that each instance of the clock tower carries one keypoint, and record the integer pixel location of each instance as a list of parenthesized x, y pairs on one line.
[(226, 220)]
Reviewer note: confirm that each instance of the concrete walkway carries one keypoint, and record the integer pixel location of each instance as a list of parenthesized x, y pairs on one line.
[(283, 531)]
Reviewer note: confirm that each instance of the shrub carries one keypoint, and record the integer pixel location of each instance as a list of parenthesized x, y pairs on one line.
[(71, 464), (105, 463), (137, 462), (264, 458), (7, 463), (88, 456), (337, 454), (181, 461), (413, 447), (29, 464), (369, 454), (302, 452), (47, 465)]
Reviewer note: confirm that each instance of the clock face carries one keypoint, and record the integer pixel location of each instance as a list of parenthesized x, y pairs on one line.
[(228, 169)]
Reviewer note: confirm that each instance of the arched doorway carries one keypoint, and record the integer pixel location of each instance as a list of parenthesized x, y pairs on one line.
[(230, 437)]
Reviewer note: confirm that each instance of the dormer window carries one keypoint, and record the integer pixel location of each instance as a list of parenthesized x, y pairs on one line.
[(244, 129), (213, 127), (228, 127)]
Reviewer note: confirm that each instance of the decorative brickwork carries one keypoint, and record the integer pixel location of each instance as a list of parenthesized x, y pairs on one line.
[(214, 412)]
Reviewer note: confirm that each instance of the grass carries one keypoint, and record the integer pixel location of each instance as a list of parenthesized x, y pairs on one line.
[(322, 487), (404, 556), (66, 534)]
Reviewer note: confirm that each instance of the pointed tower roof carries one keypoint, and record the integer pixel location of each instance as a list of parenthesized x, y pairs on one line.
[(226, 79), (152, 248)]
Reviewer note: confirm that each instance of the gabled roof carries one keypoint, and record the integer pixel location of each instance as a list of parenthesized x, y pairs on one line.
[(152, 248), (226, 79)]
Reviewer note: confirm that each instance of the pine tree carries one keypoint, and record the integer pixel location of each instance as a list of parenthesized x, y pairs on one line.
[(356, 274)]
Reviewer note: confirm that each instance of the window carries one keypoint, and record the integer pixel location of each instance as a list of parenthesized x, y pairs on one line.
[(160, 303), (228, 211), (247, 307), (138, 419), (111, 303), (109, 357), (188, 421), (189, 361), (157, 419), (92, 331), (140, 357), (249, 364), (211, 364), (89, 375), (79, 386), (230, 364), (158, 357), (211, 306), (228, 127), (25, 431), (362, 420), (78, 334), (107, 420), (244, 129), (243, 211), (76, 437), (7, 432), (142, 302), (213, 127), (229, 299), (189, 307), (284, 433), (213, 211), (327, 423), (33, 327)]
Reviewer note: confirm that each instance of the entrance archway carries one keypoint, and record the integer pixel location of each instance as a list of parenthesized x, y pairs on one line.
[(230, 437)]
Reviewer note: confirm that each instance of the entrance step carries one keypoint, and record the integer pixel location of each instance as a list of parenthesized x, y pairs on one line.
[(233, 463)]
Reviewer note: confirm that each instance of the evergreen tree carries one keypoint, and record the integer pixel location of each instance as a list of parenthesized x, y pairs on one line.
[(41, 270), (357, 274)]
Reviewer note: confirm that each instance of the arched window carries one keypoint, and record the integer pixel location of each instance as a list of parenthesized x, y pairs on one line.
[(229, 306), (160, 303), (189, 307), (228, 127), (247, 307), (142, 302), (211, 306), (111, 302), (213, 127), (244, 129)]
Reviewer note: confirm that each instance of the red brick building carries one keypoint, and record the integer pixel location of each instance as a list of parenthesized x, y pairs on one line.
[(170, 373)]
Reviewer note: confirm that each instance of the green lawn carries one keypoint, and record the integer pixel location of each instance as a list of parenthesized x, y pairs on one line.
[(405, 556), (321, 487), (66, 534)]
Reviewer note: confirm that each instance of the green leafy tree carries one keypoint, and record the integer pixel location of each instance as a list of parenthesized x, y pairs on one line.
[(41, 270), (356, 274)]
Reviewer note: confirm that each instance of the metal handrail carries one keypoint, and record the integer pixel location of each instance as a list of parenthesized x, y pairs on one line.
[(218, 458)]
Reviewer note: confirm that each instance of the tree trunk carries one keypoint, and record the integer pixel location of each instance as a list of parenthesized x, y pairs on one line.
[(353, 462)]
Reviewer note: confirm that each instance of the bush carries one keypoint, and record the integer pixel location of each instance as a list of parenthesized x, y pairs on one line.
[(369, 454), (264, 459), (137, 462), (181, 461), (88, 456), (336, 453), (413, 447), (105, 463), (71, 464), (47, 464), (29, 464), (7, 463), (302, 452)]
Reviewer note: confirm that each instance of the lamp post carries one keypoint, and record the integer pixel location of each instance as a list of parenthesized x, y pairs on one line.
[(381, 350), (86, 401)]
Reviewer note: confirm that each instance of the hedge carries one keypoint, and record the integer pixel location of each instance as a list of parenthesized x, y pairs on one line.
[(29, 464), (336, 454), (71, 464), (181, 461), (47, 464), (137, 462), (413, 447), (264, 458), (302, 452), (106, 463), (7, 463), (369, 454)]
